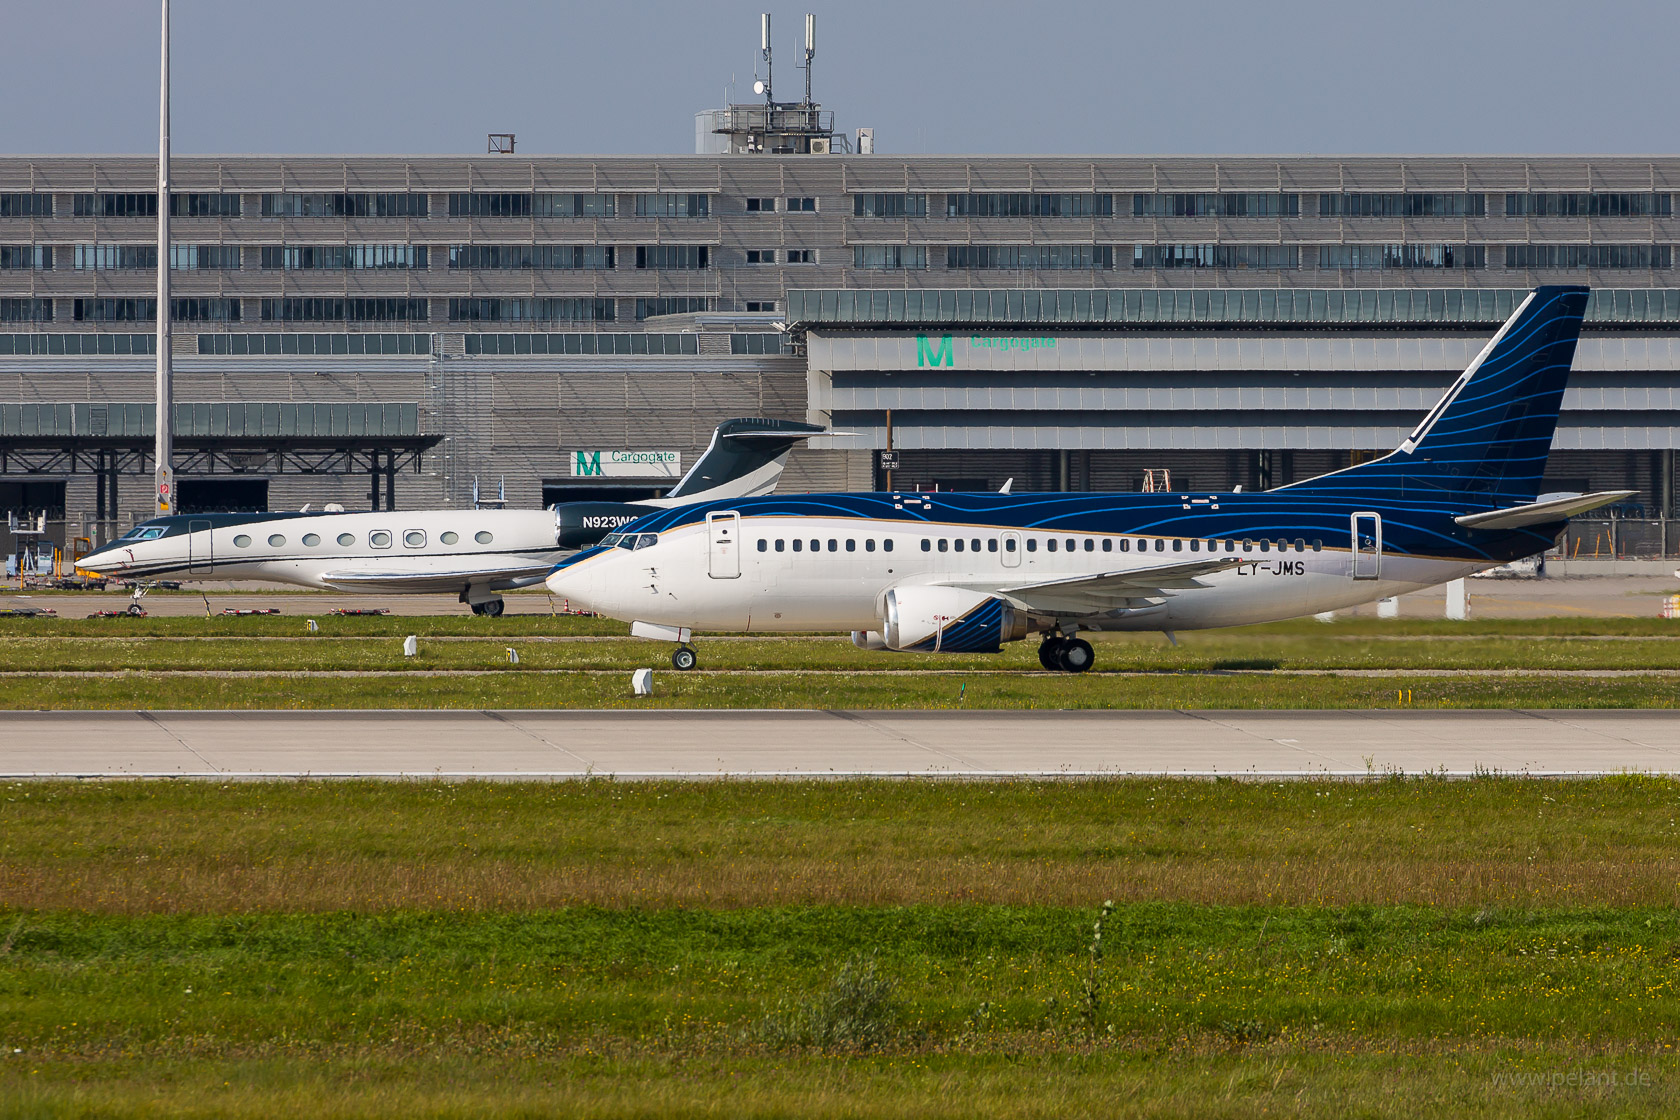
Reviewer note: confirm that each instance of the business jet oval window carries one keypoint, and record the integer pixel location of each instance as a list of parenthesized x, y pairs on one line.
[(448, 538), (312, 539), (379, 538), (415, 538), (242, 541), (275, 540), (483, 537), (345, 540)]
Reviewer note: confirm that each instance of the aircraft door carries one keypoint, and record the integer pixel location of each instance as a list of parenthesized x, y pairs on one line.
[(723, 534), (200, 549), (1367, 546), (1011, 545)]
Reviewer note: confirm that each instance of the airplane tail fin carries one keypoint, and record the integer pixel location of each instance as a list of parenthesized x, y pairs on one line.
[(744, 460), (1487, 439)]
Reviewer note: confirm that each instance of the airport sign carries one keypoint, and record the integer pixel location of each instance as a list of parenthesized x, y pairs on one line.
[(626, 464)]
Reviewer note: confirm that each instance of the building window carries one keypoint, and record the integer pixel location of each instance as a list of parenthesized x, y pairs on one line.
[(1402, 256), (358, 204), (191, 257), (478, 205), (33, 257), (755, 344), (761, 305), (1029, 206), (1588, 256), (1408, 204), (342, 257), (199, 309), (761, 256), (1589, 205), (1216, 256), (110, 310), (25, 204), (670, 305), (761, 205), (1225, 204), (25, 309), (803, 205), (889, 256), (674, 256), (889, 206), (801, 256), (539, 257), (119, 257), (372, 309), (673, 205), (1029, 256), (540, 309), (193, 205), (552, 204), (132, 205)]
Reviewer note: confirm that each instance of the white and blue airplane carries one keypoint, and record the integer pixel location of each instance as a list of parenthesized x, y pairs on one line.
[(963, 572), (473, 553)]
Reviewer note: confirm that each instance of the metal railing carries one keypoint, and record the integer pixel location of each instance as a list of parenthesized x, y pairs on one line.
[(1620, 538)]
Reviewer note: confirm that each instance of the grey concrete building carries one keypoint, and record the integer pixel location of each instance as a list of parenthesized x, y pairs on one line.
[(377, 330)]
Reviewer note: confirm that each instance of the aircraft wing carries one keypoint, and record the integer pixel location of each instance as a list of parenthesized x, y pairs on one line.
[(1108, 590), (1540, 513), (500, 573)]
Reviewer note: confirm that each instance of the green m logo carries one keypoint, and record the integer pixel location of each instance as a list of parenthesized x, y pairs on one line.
[(929, 354), (586, 463)]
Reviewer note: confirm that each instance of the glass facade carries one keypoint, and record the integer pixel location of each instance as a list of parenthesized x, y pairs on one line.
[(1239, 204), (537, 310), (1566, 257), (371, 309), (604, 343), (29, 257), (1403, 204), (25, 204), (201, 309), (194, 205), (673, 205), (184, 258), (293, 343), (141, 204), (1595, 205), (889, 256), (1216, 256), (671, 305), (1402, 256), (115, 310), (537, 257), (25, 309), (889, 206), (344, 257), (115, 257), (330, 204), (1029, 206), (674, 256), (1029, 256)]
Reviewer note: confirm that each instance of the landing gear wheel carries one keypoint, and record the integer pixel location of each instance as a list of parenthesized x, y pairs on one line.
[(1049, 652), (1075, 656), (684, 659), (136, 609), (490, 608)]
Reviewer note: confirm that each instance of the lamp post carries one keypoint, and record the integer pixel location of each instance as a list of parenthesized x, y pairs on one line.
[(164, 449)]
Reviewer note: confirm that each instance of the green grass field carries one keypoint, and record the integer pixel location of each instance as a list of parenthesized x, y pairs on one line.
[(1399, 947), (585, 663)]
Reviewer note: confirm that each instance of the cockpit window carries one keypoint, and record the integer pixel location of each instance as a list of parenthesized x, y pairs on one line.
[(611, 539), (145, 533), (647, 540)]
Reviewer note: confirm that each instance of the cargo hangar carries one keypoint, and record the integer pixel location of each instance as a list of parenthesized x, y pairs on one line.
[(387, 331)]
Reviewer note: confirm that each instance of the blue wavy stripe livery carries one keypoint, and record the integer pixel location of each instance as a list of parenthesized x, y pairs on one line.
[(1483, 448), (978, 631)]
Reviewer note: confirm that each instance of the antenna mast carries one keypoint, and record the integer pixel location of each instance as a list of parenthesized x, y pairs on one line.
[(769, 66), (810, 53)]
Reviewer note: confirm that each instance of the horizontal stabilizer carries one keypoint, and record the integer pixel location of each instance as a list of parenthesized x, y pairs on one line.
[(1541, 513), (1108, 590)]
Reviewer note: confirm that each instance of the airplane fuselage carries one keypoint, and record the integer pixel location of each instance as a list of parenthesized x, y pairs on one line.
[(828, 562)]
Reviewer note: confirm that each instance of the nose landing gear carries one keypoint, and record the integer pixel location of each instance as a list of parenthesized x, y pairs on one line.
[(1060, 654), (684, 658)]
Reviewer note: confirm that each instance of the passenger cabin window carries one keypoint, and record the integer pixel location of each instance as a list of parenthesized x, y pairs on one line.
[(1125, 545), (242, 541), (991, 545), (959, 545), (483, 537), (345, 540), (379, 538), (1009, 545), (415, 538), (1050, 545), (886, 545), (1032, 544), (1318, 546), (1265, 546), (927, 545), (448, 537), (275, 540), (833, 545), (869, 545), (798, 545), (851, 545), (816, 545), (311, 539), (1108, 544), (1178, 545), (1160, 544), (763, 545), (779, 546), (944, 544), (1300, 545), (1090, 545)]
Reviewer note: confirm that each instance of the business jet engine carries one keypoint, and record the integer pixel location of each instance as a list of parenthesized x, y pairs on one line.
[(944, 620)]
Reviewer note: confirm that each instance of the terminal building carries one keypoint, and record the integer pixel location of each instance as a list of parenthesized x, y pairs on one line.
[(391, 331)]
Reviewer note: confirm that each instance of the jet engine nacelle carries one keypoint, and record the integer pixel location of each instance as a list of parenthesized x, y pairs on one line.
[(948, 620), (583, 524)]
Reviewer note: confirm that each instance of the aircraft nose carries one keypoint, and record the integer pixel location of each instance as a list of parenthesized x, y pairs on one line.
[(576, 586)]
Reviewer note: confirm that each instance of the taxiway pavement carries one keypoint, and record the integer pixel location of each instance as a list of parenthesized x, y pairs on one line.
[(708, 744)]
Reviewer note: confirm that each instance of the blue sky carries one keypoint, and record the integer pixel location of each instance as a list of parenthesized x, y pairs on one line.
[(1274, 76)]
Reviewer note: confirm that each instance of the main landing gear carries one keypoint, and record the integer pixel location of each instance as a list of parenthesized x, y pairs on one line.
[(684, 658), (1060, 654), (490, 608)]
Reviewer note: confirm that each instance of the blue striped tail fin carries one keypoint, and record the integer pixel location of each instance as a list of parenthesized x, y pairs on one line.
[(1488, 438)]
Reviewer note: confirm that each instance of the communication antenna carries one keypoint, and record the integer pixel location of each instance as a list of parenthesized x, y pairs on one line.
[(810, 52), (765, 87), (163, 450)]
